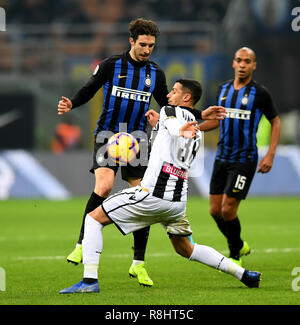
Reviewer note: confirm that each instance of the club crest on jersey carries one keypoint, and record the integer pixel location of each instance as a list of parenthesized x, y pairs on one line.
[(148, 82), (244, 100)]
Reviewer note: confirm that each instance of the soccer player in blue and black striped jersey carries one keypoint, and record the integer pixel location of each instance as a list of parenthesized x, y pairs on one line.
[(129, 80), (236, 160)]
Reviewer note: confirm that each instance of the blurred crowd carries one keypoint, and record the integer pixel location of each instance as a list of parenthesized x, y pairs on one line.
[(50, 45), (111, 11), (46, 33)]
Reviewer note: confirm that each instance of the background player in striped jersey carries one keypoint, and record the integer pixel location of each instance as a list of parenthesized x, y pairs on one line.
[(236, 158), (129, 81), (161, 198)]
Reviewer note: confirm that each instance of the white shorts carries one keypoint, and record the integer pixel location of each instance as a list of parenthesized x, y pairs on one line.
[(135, 208)]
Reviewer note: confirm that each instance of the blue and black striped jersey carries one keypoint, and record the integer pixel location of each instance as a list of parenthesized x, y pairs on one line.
[(245, 107), (128, 87)]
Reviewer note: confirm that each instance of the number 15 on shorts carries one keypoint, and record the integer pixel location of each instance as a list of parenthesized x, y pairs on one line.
[(240, 182)]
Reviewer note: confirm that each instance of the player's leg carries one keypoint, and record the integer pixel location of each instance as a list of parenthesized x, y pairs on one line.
[(126, 209), (138, 268), (104, 181), (210, 257), (217, 185), (224, 211), (215, 202), (92, 245), (239, 179), (140, 237), (233, 227)]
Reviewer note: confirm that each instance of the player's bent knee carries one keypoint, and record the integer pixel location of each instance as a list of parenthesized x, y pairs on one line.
[(182, 246), (103, 190), (226, 212), (99, 215), (215, 213)]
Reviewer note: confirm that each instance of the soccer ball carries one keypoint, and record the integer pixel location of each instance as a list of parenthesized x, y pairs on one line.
[(122, 147)]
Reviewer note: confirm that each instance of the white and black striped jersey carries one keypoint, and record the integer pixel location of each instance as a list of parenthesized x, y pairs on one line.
[(171, 155)]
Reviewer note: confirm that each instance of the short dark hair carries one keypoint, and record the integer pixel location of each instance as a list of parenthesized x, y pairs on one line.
[(245, 48), (142, 26), (193, 86)]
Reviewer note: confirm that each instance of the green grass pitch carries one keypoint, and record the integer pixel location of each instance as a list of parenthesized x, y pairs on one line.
[(36, 235)]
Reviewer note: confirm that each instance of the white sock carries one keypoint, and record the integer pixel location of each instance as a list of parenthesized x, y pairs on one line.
[(92, 245), (90, 271), (209, 256), (137, 262)]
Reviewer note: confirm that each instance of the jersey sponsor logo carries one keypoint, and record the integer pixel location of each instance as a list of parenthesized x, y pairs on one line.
[(238, 113), (141, 96), (120, 77), (172, 170)]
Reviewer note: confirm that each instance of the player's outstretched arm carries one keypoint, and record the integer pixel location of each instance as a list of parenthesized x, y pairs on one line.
[(64, 105), (214, 113), (209, 125)]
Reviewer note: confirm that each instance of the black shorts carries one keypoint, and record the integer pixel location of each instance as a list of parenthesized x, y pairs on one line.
[(135, 169), (233, 179)]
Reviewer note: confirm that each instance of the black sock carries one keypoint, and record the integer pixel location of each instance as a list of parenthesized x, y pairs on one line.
[(235, 242), (221, 223), (94, 201), (89, 280), (140, 239)]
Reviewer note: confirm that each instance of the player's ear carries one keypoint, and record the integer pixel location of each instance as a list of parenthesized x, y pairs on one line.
[(131, 41), (233, 63), (187, 97)]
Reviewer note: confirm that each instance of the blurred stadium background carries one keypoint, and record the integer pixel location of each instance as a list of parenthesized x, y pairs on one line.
[(50, 48)]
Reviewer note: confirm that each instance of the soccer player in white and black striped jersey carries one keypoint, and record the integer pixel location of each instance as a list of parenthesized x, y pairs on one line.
[(162, 196)]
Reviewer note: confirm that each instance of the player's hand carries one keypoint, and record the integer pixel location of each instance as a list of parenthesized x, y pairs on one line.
[(189, 130), (64, 105), (214, 113), (152, 117), (265, 164)]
